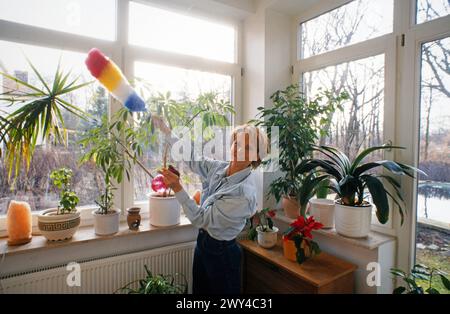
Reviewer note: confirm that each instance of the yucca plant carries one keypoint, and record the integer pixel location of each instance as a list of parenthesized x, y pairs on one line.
[(350, 179), (39, 116)]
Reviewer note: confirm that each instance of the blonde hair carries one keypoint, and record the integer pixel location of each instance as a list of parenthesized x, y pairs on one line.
[(262, 147)]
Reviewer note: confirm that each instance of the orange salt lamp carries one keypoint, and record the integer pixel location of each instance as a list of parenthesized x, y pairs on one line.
[(18, 223)]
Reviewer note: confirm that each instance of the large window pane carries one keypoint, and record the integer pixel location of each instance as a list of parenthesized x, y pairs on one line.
[(169, 31), (349, 24), (428, 10), (433, 203), (36, 187), (174, 84), (92, 18), (360, 124)]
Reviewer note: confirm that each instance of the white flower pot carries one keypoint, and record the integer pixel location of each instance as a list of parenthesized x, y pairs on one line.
[(267, 239), (106, 224), (353, 221), (164, 211), (58, 227), (323, 211)]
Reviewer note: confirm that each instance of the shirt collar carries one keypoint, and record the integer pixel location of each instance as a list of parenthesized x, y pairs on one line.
[(238, 176)]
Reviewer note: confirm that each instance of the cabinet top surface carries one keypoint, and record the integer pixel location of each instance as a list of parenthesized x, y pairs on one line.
[(319, 270)]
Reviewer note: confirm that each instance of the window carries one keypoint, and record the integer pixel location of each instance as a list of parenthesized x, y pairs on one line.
[(36, 187), (92, 18), (349, 24), (433, 199), (214, 43), (428, 10), (168, 83), (168, 31), (360, 124)]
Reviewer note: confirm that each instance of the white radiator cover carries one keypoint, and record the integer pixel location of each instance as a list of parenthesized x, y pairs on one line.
[(105, 275)]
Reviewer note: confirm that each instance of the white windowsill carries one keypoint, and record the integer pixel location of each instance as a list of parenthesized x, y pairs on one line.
[(373, 241), (85, 234)]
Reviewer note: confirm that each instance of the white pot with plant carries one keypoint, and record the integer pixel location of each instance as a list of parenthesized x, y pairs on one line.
[(61, 223), (349, 180), (263, 230), (106, 218)]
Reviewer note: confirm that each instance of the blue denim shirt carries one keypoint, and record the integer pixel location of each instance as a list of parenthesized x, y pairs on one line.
[(226, 202)]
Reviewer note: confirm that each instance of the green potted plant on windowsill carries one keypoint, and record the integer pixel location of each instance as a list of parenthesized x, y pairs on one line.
[(61, 223), (350, 179), (300, 122)]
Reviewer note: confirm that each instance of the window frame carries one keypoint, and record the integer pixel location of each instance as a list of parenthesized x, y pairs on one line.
[(409, 100), (124, 55), (385, 44)]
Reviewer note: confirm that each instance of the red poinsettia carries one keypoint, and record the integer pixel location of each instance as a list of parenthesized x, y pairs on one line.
[(302, 227)]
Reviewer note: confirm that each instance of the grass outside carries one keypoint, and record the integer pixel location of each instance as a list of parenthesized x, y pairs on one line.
[(434, 260)]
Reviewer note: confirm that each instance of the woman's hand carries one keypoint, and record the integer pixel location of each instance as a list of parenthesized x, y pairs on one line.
[(171, 180), (159, 123)]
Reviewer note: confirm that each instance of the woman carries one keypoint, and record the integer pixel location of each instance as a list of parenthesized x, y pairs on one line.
[(228, 200)]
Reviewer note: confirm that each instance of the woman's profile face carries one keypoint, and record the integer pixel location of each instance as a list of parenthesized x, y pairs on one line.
[(243, 150)]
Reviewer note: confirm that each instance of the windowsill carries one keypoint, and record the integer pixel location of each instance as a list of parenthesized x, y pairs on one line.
[(85, 234), (373, 240)]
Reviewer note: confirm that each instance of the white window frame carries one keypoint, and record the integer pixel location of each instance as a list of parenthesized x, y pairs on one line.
[(408, 121), (124, 55), (385, 44)]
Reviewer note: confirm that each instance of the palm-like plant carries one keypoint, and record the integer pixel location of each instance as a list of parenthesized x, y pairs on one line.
[(39, 116), (349, 179), (309, 186)]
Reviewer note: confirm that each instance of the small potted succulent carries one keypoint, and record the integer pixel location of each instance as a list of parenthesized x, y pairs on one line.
[(350, 179), (61, 223), (262, 229), (297, 240)]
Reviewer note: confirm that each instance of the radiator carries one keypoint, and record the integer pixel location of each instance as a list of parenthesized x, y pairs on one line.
[(105, 275)]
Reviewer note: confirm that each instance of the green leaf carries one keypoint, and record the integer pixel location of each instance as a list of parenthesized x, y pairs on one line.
[(445, 281), (379, 197), (399, 290)]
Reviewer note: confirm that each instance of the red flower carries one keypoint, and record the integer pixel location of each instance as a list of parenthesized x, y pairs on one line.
[(304, 226), (271, 213)]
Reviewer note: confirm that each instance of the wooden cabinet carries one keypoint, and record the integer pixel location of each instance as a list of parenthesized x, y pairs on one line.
[(268, 271)]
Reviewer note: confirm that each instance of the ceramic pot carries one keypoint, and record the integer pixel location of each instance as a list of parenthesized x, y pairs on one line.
[(353, 221), (267, 239), (58, 227)]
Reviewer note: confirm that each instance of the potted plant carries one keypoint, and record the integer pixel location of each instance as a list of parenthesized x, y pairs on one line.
[(155, 284), (39, 116), (297, 240), (349, 179), (420, 280), (321, 207), (300, 122), (106, 217), (262, 229), (61, 223), (212, 111)]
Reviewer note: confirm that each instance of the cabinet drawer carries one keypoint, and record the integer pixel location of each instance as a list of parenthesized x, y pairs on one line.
[(260, 276)]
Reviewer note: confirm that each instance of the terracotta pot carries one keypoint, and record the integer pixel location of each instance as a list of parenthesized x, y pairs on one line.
[(290, 250), (291, 207)]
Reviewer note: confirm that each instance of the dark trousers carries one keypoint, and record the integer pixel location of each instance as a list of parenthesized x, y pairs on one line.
[(217, 266)]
